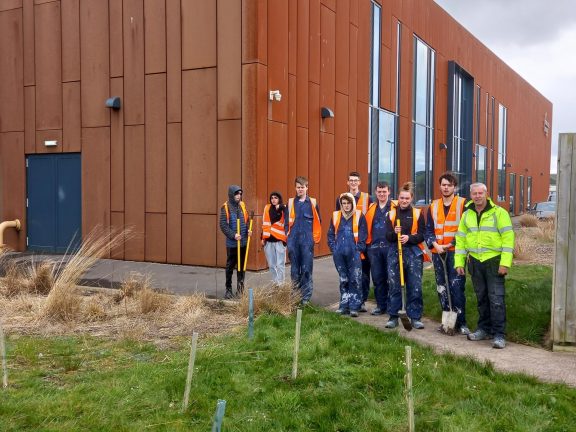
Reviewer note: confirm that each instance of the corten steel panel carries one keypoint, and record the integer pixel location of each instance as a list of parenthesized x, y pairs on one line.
[(314, 138), (351, 154), (71, 127), (292, 37), (277, 157), (393, 64), (6, 5), (30, 119), (174, 194), (302, 63), (330, 4), (199, 141), (354, 12), (254, 31), (49, 135), (156, 143), (386, 74), (342, 45), (11, 72), (229, 59), (174, 62), (406, 64), (353, 80), (28, 41), (48, 66), (362, 140), (314, 47), (156, 237), (254, 134), (134, 213), (405, 156), (302, 156), (117, 149), (12, 168), (326, 194), (198, 34), (116, 39), (117, 224), (341, 139), (155, 36), (292, 148), (199, 230), (278, 58), (95, 178), (363, 48), (328, 65), (133, 104), (388, 25), (94, 63), (70, 40)]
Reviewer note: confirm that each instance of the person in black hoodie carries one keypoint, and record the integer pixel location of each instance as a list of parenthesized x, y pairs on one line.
[(231, 212), (412, 228), (274, 237)]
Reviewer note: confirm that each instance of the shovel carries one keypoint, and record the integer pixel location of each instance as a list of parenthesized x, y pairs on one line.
[(448, 317), (402, 312)]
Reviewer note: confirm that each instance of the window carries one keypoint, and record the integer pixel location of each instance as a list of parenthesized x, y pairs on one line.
[(512, 193), (502, 114), (521, 195), (423, 120), (529, 193), (480, 164)]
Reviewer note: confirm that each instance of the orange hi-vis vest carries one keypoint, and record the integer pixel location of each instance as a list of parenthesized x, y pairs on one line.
[(355, 221), (369, 215), (363, 202), (242, 206), (446, 227), (414, 230), (316, 227), (275, 229)]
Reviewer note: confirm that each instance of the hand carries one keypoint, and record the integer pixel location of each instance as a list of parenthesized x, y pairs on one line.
[(237, 237), (397, 229), (404, 238), (502, 271), (249, 233), (439, 248), (263, 242), (460, 271)]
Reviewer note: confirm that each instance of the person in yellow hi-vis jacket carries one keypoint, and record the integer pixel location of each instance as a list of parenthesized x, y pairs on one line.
[(485, 235)]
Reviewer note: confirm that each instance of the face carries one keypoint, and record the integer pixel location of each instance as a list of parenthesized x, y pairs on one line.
[(404, 199), (346, 205), (478, 195), (301, 190), (353, 182), (382, 194), (447, 188), (274, 200), (238, 196)]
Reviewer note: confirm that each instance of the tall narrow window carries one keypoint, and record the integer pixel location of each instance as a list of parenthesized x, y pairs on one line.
[(521, 195), (512, 193), (529, 192), (423, 120), (502, 126), (480, 165)]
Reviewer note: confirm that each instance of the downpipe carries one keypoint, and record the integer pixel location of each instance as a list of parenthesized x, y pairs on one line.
[(8, 224)]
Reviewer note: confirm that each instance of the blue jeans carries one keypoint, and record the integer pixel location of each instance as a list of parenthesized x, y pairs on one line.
[(413, 266), (457, 286), (378, 255), (301, 255)]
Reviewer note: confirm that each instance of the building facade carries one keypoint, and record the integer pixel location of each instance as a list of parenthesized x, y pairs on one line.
[(411, 91)]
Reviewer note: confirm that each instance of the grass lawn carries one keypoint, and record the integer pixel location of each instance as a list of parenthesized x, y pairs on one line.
[(528, 302), (350, 379)]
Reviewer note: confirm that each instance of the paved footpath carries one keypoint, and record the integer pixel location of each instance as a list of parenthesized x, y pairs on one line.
[(544, 365)]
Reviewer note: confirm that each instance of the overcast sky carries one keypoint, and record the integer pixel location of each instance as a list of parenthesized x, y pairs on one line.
[(535, 38)]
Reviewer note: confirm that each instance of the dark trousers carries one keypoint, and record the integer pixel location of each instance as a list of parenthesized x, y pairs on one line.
[(350, 272), (456, 285), (365, 278), (231, 264), (378, 255), (413, 266), (301, 254), (489, 288)]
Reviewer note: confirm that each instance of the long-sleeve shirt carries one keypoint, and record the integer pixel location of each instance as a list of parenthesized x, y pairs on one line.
[(406, 220)]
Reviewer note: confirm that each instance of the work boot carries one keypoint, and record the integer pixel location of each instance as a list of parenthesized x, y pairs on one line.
[(479, 335), (354, 314), (499, 342), (377, 311), (417, 324), (392, 323), (463, 330), (362, 308), (229, 295), (239, 289), (342, 311)]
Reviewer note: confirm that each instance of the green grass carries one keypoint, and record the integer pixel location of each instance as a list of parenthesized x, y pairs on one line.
[(350, 379), (528, 302)]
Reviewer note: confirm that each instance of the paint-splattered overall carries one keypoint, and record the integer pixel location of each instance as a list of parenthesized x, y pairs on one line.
[(413, 264), (457, 284)]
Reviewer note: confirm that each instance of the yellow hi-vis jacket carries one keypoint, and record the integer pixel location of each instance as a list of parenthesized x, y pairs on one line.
[(491, 237)]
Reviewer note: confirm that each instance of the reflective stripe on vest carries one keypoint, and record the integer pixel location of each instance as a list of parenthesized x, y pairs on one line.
[(363, 202), (446, 226), (242, 206), (369, 218), (276, 229), (316, 227), (355, 220)]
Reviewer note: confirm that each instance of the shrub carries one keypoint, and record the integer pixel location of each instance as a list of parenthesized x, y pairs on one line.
[(153, 301), (279, 299), (546, 230), (524, 246), (14, 282), (528, 220), (41, 278)]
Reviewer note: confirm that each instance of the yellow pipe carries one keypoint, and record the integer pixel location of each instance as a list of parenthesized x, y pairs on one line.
[(8, 224)]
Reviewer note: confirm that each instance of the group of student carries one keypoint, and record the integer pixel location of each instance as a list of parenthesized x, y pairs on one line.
[(365, 236)]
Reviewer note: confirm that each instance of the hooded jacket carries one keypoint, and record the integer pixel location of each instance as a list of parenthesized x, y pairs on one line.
[(230, 212), (347, 232)]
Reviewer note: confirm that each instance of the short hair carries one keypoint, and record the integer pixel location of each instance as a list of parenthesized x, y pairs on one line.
[(354, 174), (301, 180), (407, 187), (382, 185), (481, 185), (448, 176)]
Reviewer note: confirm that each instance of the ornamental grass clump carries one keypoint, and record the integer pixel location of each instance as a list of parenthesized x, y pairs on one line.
[(546, 230), (154, 301), (13, 283), (524, 246), (528, 220), (276, 299), (41, 278)]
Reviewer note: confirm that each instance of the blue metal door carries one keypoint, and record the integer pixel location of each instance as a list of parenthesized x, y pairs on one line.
[(54, 202)]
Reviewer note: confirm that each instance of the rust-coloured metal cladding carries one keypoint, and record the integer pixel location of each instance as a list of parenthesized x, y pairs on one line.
[(354, 13), (134, 192), (117, 223), (49, 135), (254, 37), (156, 237), (94, 63), (278, 59), (302, 63), (7, 5), (328, 65), (363, 49), (174, 194), (301, 155), (341, 140), (12, 167), (353, 81), (342, 46), (327, 192), (330, 4), (229, 59), (292, 37), (11, 83), (351, 154), (314, 139), (71, 117), (115, 10), (174, 62), (229, 157), (362, 134), (387, 72), (314, 38), (155, 133), (28, 41), (292, 147), (95, 178), (30, 119), (199, 229), (133, 20), (117, 150), (277, 159), (199, 142), (198, 34), (155, 36), (70, 40)]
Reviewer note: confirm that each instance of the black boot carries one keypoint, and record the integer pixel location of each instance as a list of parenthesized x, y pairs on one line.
[(240, 289), (228, 294)]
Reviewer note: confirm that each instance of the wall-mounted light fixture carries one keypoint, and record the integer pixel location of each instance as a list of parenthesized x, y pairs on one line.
[(50, 143), (326, 112), (507, 165), (275, 95), (443, 146), (114, 103)]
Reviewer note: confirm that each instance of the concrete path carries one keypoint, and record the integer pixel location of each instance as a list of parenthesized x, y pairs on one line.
[(542, 364)]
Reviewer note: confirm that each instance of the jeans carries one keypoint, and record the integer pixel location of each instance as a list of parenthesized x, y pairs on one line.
[(276, 256), (365, 279), (349, 267), (490, 291), (378, 255), (457, 286), (231, 264), (413, 266)]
